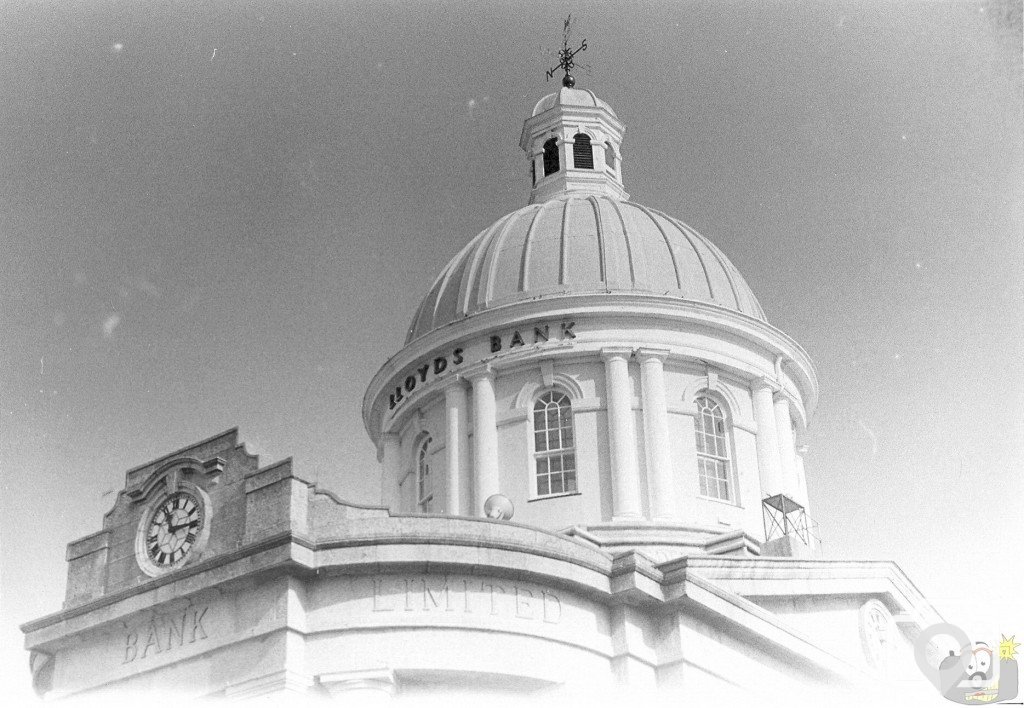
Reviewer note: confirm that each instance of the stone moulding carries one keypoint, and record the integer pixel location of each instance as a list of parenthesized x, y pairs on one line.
[(462, 545)]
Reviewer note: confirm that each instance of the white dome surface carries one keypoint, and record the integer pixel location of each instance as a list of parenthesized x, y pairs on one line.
[(580, 244), (571, 97)]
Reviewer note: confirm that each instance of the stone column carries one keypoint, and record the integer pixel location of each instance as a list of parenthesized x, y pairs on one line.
[(485, 439), (787, 449), (812, 539), (767, 440), (564, 154), (456, 444), (801, 475), (621, 435), (391, 470), (655, 405)]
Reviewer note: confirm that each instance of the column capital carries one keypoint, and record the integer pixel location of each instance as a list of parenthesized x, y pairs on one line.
[(483, 370), (762, 382), (647, 353), (454, 381), (386, 439), (610, 353), (784, 395)]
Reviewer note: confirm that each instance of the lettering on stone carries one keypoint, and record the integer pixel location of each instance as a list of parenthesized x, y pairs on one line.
[(496, 342), (433, 594), (523, 610), (165, 632), (552, 607), (492, 587)]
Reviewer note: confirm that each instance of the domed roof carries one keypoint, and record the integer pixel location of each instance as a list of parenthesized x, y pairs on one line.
[(580, 244), (571, 97)]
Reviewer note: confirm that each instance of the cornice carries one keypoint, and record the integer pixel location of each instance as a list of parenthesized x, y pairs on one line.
[(655, 311)]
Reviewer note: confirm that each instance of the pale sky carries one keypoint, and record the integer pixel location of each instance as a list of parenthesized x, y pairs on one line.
[(224, 214)]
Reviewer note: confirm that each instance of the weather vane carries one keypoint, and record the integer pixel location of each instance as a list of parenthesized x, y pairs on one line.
[(565, 56)]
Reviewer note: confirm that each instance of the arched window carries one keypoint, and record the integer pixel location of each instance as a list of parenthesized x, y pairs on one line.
[(554, 444), (609, 156), (713, 445), (551, 157), (582, 152), (424, 480)]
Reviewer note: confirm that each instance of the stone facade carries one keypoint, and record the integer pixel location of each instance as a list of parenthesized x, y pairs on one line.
[(298, 592)]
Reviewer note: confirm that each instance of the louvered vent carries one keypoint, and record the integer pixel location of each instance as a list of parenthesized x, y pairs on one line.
[(582, 152)]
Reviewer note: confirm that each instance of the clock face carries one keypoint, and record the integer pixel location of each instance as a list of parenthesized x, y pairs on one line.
[(174, 527)]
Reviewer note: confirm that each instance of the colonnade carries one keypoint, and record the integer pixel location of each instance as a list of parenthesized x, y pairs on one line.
[(779, 465)]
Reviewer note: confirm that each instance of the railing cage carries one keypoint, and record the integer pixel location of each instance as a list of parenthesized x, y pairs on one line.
[(783, 516)]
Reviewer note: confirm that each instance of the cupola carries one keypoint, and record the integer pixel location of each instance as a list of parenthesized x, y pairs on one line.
[(572, 143)]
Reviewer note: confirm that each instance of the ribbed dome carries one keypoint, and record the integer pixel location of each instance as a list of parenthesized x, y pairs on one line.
[(571, 97), (577, 245)]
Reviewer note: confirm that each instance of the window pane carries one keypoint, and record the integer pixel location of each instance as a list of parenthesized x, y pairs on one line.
[(555, 464), (570, 481), (540, 441), (542, 485), (714, 446), (556, 484)]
